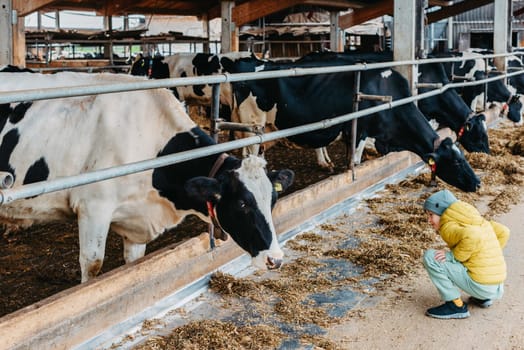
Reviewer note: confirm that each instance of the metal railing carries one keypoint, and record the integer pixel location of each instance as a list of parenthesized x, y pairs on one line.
[(34, 189)]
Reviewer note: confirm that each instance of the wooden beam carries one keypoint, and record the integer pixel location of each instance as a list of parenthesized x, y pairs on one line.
[(518, 12), (385, 7), (120, 6), (440, 3), (334, 4), (24, 7), (253, 10), (453, 10)]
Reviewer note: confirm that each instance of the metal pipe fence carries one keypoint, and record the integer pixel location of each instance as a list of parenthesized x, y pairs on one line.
[(12, 194)]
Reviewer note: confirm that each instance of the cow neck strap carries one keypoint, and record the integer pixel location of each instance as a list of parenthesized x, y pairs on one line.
[(436, 143), (211, 209), (218, 164), (463, 127), (432, 164), (150, 68), (511, 99)]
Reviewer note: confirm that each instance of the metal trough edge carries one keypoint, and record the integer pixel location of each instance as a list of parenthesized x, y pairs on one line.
[(79, 314)]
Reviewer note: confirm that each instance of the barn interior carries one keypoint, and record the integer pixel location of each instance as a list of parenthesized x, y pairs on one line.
[(274, 29)]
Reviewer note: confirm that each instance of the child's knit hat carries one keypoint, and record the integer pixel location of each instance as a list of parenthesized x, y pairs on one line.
[(439, 201)]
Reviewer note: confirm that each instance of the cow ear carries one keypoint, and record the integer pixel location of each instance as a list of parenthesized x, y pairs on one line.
[(138, 58), (281, 179), (227, 64), (203, 189)]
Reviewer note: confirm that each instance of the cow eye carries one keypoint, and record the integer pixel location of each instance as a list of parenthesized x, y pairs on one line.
[(242, 205)]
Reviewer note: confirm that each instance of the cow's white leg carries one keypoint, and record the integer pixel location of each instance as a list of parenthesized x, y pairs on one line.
[(477, 104), (323, 159), (357, 157), (93, 227), (133, 251)]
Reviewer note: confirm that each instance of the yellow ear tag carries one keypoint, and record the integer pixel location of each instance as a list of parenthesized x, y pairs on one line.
[(278, 186), (431, 161)]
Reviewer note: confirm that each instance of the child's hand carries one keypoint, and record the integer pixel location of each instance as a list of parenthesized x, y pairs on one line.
[(440, 255)]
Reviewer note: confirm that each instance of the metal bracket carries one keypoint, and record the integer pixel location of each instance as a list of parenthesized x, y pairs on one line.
[(254, 128), (428, 85), (6, 180), (361, 97), (461, 77)]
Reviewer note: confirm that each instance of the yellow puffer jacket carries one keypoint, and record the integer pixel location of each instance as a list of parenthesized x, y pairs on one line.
[(475, 242)]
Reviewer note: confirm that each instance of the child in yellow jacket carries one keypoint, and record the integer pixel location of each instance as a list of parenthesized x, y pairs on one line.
[(474, 263)]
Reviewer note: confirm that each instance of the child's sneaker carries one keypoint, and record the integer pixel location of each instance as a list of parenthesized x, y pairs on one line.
[(483, 303), (448, 310)]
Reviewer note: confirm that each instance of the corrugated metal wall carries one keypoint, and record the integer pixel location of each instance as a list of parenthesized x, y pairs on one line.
[(475, 28)]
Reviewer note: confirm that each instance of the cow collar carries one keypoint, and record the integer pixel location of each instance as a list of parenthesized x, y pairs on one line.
[(432, 164), (211, 208), (511, 99), (218, 163), (150, 68), (463, 127)]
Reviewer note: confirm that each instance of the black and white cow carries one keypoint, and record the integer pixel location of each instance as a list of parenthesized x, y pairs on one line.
[(182, 65), (48, 139), (297, 101), (447, 108), (474, 68), (515, 82)]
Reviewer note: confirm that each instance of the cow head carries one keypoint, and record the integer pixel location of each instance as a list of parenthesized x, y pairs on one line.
[(514, 109), (448, 163), (473, 135), (152, 67), (242, 199)]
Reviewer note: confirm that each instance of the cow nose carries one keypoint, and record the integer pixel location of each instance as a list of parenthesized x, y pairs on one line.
[(273, 264)]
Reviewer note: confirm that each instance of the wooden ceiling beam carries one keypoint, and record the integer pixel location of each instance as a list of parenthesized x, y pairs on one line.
[(335, 4), (455, 9), (253, 10), (24, 7), (518, 12), (119, 7), (359, 16), (440, 3)]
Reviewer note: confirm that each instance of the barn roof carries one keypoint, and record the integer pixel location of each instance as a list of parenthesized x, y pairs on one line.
[(211, 8), (244, 11)]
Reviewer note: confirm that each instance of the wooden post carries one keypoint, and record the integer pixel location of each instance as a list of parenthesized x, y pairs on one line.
[(19, 46), (226, 8), (207, 33)]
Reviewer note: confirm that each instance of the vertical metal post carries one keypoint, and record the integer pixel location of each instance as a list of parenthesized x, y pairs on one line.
[(502, 31), (215, 108), (207, 33), (354, 124), (6, 32), (334, 37), (485, 102)]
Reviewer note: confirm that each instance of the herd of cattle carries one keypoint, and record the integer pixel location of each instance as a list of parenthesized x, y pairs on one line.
[(48, 139)]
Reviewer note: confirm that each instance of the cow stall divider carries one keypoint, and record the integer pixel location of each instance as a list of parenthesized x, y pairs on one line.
[(79, 314)]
